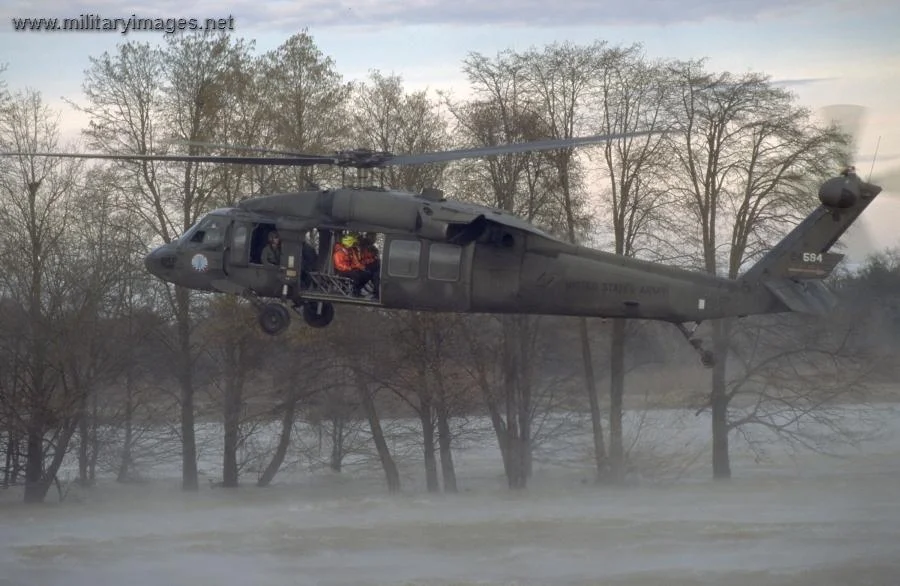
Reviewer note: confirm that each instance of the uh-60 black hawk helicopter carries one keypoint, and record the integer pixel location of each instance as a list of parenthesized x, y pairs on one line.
[(448, 256)]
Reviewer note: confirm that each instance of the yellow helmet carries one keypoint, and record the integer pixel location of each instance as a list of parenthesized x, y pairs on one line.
[(350, 239)]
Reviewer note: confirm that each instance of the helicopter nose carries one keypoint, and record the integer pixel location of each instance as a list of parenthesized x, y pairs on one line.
[(159, 262)]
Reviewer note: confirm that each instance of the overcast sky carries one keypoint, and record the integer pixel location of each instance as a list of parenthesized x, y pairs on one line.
[(829, 52)]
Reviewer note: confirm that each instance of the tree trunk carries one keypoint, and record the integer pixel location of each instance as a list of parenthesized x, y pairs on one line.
[(189, 476), (500, 431), (616, 396), (284, 441), (525, 430), (517, 477), (719, 402), (337, 444), (232, 415), (431, 473), (391, 473), (448, 472), (593, 399), (517, 474), (125, 462), (8, 472), (34, 461), (515, 381), (84, 441), (95, 440), (36, 492)]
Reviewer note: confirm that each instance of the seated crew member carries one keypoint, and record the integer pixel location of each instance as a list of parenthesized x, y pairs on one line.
[(371, 261), (348, 262), (271, 254)]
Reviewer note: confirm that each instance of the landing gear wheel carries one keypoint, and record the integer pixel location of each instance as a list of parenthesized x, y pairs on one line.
[(318, 314), (707, 358), (274, 318)]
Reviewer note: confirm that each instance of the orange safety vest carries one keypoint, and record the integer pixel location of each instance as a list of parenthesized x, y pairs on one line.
[(346, 259), (368, 256)]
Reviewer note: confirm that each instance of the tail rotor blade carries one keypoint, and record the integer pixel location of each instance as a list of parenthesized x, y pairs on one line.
[(889, 181), (850, 118)]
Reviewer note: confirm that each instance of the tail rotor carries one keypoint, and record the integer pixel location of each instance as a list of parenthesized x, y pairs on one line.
[(851, 119)]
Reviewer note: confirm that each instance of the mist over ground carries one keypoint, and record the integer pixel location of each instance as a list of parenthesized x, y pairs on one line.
[(786, 517)]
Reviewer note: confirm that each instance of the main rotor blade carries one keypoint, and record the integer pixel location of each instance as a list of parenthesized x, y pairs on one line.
[(540, 145), (302, 161), (235, 147)]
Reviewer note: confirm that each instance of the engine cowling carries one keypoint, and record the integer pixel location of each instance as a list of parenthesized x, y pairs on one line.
[(840, 192)]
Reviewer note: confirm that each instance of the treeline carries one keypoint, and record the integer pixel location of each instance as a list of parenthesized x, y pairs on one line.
[(99, 359)]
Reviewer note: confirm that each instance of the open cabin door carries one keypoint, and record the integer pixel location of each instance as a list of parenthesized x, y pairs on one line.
[(419, 274)]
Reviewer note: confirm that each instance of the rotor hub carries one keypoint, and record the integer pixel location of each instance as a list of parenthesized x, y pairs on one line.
[(362, 158)]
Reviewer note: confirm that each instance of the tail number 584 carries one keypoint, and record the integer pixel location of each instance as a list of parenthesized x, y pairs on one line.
[(812, 257)]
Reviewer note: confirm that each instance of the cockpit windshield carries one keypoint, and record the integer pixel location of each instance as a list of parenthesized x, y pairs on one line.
[(210, 229), (186, 237)]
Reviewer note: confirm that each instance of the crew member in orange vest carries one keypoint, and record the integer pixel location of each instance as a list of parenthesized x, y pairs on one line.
[(348, 262)]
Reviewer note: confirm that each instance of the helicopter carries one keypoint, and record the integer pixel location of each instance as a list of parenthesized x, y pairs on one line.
[(443, 255)]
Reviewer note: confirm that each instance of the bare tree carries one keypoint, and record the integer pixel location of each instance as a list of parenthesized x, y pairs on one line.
[(237, 349), (425, 350), (797, 378), (745, 158), (502, 112), (633, 95), (100, 256), (13, 393), (138, 100), (305, 106), (35, 215), (561, 78), (301, 369), (337, 413), (387, 118), (363, 361)]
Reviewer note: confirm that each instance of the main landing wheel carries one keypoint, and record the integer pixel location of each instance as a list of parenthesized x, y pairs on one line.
[(318, 314), (707, 359), (274, 318)]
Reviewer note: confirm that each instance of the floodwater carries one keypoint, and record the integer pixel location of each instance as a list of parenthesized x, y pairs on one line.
[(800, 520)]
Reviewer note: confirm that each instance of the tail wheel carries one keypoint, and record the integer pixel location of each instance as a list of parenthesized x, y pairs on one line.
[(318, 314), (274, 318)]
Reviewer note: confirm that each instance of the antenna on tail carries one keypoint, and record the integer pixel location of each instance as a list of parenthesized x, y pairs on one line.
[(875, 156)]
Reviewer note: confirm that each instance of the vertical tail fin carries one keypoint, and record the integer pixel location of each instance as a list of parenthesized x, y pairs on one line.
[(804, 252), (793, 271)]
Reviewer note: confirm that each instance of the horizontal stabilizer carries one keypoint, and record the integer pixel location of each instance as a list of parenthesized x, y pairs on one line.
[(807, 296)]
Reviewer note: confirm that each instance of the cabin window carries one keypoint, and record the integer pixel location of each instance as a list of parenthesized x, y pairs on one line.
[(240, 237), (239, 244), (403, 259), (444, 261)]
